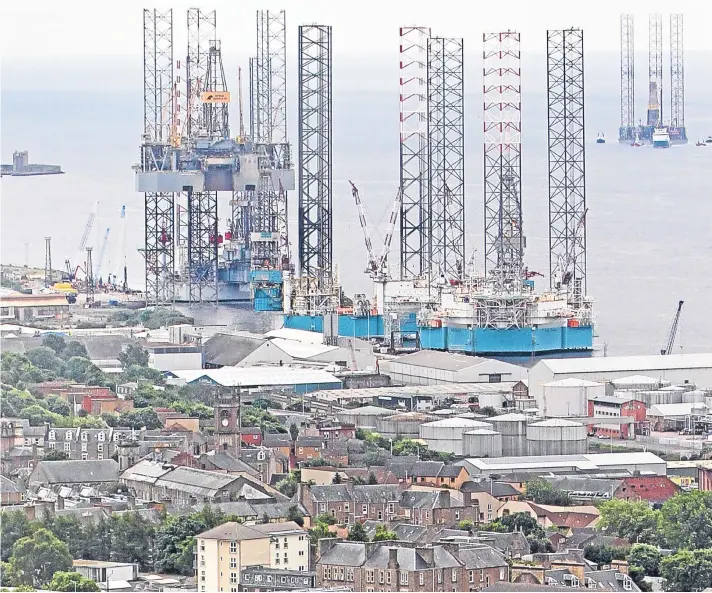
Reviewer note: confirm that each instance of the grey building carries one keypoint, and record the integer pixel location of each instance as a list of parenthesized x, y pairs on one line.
[(101, 472), (85, 443)]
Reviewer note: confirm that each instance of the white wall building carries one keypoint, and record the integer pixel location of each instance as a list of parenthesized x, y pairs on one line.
[(430, 367), (567, 397), (287, 351), (676, 368)]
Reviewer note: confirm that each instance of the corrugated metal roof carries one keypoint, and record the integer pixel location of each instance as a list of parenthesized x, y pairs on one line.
[(572, 382), (258, 376), (298, 349), (433, 390), (556, 422), (444, 361), (685, 409), (457, 423), (636, 380), (299, 335), (627, 363), (591, 461)]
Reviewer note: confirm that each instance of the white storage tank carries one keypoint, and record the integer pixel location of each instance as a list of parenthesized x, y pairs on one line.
[(513, 428), (556, 436), (446, 435), (404, 425), (638, 383), (568, 397), (482, 443), (658, 396), (364, 417)]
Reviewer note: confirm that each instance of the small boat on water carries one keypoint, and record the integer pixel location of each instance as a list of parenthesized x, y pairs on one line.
[(701, 142), (600, 139), (661, 138), (708, 140)]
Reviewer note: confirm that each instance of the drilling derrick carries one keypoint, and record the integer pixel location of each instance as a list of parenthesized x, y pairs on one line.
[(157, 101), (315, 135), (269, 248), (414, 214), (655, 71), (567, 168), (446, 162), (627, 130), (504, 241), (677, 130)]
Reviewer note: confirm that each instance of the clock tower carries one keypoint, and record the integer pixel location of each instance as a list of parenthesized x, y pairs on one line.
[(227, 422)]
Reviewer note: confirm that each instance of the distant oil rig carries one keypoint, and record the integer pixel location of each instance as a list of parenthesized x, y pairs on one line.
[(656, 130), (21, 167), (435, 298)]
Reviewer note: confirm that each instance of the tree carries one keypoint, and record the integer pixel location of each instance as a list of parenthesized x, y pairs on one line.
[(527, 525), (542, 492), (37, 415), (46, 358), (293, 431), (466, 525), (384, 534), (57, 405), (372, 481), (288, 486), (633, 520), (336, 479), (357, 533), (134, 354), (137, 419), (319, 531), (14, 525), (686, 520), (37, 557), (294, 514), (646, 557), (55, 455), (55, 342), (74, 348), (488, 411), (688, 570), (132, 539), (603, 554), (326, 519), (71, 581)]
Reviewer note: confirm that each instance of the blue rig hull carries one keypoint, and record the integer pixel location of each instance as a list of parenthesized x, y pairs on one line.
[(515, 341)]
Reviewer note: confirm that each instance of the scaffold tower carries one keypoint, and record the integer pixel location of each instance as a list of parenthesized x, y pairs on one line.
[(89, 269), (48, 261), (446, 162), (158, 92), (677, 72), (627, 129), (502, 120), (567, 162), (655, 70), (414, 215), (315, 152)]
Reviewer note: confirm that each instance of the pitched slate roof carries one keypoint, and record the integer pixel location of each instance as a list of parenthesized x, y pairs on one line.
[(236, 531), (78, 472), (223, 460), (376, 493), (345, 554), (228, 349), (498, 489), (330, 493), (480, 557), (410, 559)]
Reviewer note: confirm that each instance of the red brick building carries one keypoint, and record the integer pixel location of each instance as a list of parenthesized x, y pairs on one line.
[(98, 403), (334, 433), (616, 406), (652, 489), (251, 435)]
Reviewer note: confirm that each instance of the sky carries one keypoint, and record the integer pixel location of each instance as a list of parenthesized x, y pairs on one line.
[(56, 30)]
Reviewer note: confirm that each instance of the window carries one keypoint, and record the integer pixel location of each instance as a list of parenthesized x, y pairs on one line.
[(261, 456), (84, 446), (380, 515), (482, 575), (440, 576), (380, 577), (346, 507), (51, 445), (327, 572), (427, 514), (233, 547), (233, 578), (457, 515), (364, 509), (388, 577), (276, 560), (471, 577), (233, 562), (301, 450), (285, 556), (502, 574), (487, 581), (301, 552), (301, 538), (67, 446), (421, 578), (369, 576), (85, 436), (349, 574), (100, 447), (68, 435), (276, 546), (85, 456), (102, 436), (627, 583), (391, 508), (454, 575), (52, 435), (403, 578), (322, 507)]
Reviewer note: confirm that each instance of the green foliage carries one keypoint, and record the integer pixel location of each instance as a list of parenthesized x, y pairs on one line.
[(336, 479), (254, 415), (633, 520), (71, 581), (46, 358), (325, 518), (137, 419), (294, 514), (293, 431), (194, 409), (357, 533), (17, 371), (604, 554), (132, 540), (542, 492), (264, 403), (37, 557), (319, 531), (110, 419), (55, 342), (57, 405), (377, 446), (74, 348), (372, 480), (14, 525), (82, 370), (55, 455), (317, 462), (488, 411), (384, 534), (646, 557), (686, 520), (288, 486), (687, 570), (133, 355), (466, 525), (138, 373), (527, 525)]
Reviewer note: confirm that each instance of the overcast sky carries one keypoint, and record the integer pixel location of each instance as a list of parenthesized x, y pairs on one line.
[(48, 28)]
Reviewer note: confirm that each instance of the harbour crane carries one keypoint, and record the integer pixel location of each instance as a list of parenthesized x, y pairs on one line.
[(672, 333), (102, 252), (88, 227)]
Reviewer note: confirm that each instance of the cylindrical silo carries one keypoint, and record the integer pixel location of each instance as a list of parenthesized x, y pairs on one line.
[(568, 397), (403, 425), (482, 443), (556, 436), (446, 435), (364, 417), (513, 428)]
